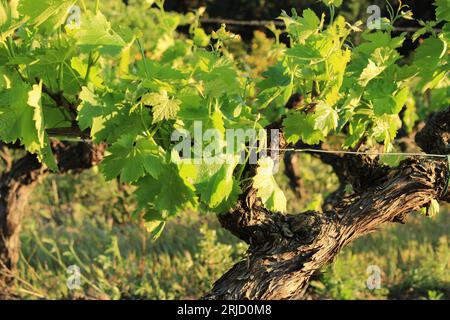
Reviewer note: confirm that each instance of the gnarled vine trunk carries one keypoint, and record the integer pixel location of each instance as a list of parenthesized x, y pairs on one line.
[(286, 250), (16, 185)]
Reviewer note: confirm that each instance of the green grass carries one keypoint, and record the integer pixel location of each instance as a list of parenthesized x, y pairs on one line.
[(69, 225), (414, 260), (82, 220)]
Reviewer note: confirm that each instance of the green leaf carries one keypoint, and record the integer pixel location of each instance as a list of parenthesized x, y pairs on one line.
[(301, 28), (442, 10), (201, 39), (385, 128), (356, 130), (429, 61), (219, 79), (164, 107), (168, 198), (384, 105), (44, 151), (380, 94), (81, 68), (391, 160), (267, 96), (89, 111), (429, 52), (267, 188), (16, 116), (303, 54), (370, 72), (219, 186), (378, 40), (22, 117), (433, 208), (380, 60), (299, 125), (47, 14), (192, 109), (401, 98), (326, 118), (4, 16), (95, 33), (410, 116), (373, 57), (198, 173), (132, 159), (34, 100), (446, 33), (155, 228), (107, 119), (275, 76)]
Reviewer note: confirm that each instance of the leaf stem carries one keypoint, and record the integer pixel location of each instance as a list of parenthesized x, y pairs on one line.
[(97, 3), (143, 57), (11, 45), (332, 12), (7, 49), (83, 4), (89, 67), (149, 134)]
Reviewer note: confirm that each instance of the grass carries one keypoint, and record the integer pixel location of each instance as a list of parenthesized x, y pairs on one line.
[(71, 226), (82, 220), (414, 260)]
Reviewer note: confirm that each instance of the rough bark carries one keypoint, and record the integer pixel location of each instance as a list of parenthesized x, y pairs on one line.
[(16, 185), (17, 182), (286, 250)]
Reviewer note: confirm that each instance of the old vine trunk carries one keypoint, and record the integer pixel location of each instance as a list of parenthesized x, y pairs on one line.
[(286, 250), (14, 192)]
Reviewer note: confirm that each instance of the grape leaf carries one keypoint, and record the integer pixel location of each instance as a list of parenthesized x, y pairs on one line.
[(22, 117), (442, 10), (89, 111), (105, 118), (131, 159), (155, 228), (95, 32), (168, 198), (47, 14), (370, 72), (219, 186), (164, 107), (326, 118), (301, 28), (385, 128), (298, 125), (267, 188), (201, 39), (219, 80), (34, 100), (304, 54), (427, 60), (274, 76)]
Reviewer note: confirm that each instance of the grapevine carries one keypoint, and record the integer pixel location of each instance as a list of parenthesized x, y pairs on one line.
[(69, 72)]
